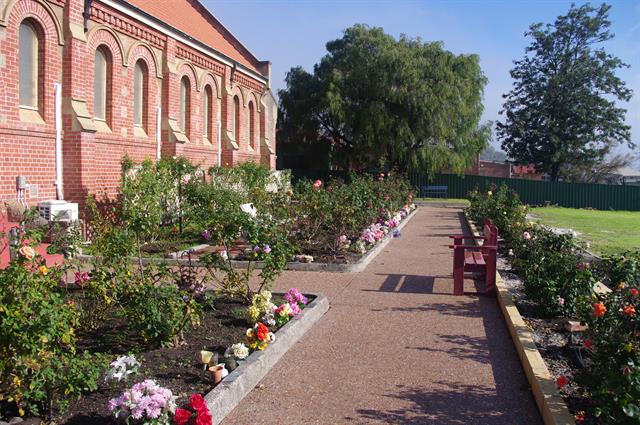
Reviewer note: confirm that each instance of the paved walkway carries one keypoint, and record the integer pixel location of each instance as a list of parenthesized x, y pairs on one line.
[(396, 346)]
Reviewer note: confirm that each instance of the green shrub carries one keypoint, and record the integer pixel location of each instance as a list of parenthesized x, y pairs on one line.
[(612, 377), (159, 312), (622, 268), (553, 271), (39, 367), (503, 207)]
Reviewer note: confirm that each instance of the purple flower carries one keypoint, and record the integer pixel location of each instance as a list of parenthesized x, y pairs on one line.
[(396, 233), (266, 249), (206, 235), (256, 249)]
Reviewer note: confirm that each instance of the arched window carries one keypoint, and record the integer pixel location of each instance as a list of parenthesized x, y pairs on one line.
[(102, 84), (252, 123), (206, 113), (236, 119), (140, 94), (30, 71), (184, 120)]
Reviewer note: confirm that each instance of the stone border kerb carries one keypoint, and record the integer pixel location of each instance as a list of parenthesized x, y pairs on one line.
[(228, 394), (552, 407)]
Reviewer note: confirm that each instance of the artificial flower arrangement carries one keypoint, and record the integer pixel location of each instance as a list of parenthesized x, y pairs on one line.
[(197, 414), (260, 304), (145, 403), (377, 231), (280, 315), (122, 368), (259, 337)]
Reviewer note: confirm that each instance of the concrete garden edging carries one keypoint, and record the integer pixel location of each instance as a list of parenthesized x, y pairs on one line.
[(358, 266), (228, 393), (551, 406)]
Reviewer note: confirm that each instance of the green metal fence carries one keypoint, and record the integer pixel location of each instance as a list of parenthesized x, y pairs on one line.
[(572, 195)]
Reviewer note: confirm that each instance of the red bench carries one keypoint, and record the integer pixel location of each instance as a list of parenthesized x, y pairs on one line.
[(475, 258)]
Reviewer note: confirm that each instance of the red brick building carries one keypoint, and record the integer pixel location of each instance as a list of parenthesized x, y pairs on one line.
[(85, 82)]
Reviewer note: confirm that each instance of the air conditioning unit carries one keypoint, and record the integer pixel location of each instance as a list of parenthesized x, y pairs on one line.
[(55, 210)]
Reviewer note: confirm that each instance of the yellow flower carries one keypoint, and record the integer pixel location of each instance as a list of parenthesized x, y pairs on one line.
[(43, 270), (206, 356), (489, 193), (253, 313)]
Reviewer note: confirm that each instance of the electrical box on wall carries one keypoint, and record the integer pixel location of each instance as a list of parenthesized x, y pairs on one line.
[(21, 182)]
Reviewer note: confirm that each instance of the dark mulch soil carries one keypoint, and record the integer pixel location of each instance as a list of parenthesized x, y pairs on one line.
[(178, 368), (560, 349)]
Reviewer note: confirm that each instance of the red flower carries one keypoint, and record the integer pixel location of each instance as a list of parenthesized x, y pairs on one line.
[(599, 309), (579, 417), (634, 292), (587, 343), (629, 310), (204, 418), (262, 332), (317, 184), (182, 417), (197, 403), (562, 381)]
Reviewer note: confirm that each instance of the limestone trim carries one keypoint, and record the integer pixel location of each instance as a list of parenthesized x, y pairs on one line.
[(6, 15), (132, 57), (94, 42)]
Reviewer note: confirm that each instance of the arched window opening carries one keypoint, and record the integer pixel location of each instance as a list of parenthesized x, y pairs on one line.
[(252, 126), (236, 119), (140, 94), (184, 120), (206, 113), (102, 84), (30, 66)]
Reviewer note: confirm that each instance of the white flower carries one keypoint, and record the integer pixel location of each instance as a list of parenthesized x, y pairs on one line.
[(224, 254), (249, 209), (271, 337), (239, 351), (122, 367), (510, 253)]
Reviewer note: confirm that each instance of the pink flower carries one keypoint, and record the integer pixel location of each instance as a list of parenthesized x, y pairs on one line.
[(526, 236), (317, 184)]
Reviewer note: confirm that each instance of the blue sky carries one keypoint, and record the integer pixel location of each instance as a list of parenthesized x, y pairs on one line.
[(294, 32)]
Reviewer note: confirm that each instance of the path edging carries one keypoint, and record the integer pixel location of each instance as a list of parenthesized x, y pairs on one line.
[(228, 394), (551, 406), (358, 266)]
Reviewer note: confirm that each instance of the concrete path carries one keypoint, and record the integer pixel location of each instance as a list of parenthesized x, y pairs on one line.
[(396, 346)]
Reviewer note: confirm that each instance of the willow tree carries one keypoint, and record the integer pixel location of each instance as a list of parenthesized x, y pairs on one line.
[(375, 99)]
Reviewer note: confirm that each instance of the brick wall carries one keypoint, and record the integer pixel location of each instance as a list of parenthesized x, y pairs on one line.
[(92, 150)]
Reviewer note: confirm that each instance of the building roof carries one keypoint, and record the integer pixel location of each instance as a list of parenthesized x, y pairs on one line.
[(191, 17), (627, 172)]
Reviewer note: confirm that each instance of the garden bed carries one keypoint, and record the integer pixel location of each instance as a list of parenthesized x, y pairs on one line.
[(180, 368), (346, 262)]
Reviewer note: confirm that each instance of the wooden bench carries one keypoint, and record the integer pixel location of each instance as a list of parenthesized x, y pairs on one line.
[(435, 191), (475, 258)]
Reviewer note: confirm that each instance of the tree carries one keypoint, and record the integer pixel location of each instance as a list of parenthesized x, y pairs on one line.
[(600, 172), (379, 100), (562, 108)]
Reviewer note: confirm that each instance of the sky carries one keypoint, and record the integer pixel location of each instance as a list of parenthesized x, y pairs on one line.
[(293, 33)]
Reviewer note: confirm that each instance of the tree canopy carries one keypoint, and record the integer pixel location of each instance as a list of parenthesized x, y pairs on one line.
[(379, 100), (561, 112)]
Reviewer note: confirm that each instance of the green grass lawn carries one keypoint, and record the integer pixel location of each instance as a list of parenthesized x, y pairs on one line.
[(608, 232), (441, 200)]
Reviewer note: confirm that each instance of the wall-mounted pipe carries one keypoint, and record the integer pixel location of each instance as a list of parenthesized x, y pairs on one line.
[(158, 132), (58, 122)]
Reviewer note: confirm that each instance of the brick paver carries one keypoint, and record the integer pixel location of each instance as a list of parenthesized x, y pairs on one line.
[(396, 346)]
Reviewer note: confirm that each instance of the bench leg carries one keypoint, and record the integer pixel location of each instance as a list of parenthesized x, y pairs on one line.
[(490, 277), (458, 271)]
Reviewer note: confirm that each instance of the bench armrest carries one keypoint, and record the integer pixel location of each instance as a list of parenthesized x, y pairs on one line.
[(490, 247)]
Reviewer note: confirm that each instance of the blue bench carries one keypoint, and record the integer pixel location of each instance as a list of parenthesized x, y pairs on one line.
[(434, 191)]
